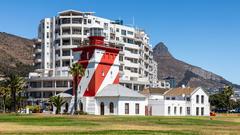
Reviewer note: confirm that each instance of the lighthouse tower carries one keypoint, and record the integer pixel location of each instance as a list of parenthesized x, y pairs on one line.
[(101, 64)]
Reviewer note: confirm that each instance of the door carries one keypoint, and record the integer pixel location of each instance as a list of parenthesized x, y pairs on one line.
[(102, 108)]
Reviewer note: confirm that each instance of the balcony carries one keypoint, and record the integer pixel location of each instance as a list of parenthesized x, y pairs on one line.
[(77, 21), (65, 21), (38, 50), (38, 60)]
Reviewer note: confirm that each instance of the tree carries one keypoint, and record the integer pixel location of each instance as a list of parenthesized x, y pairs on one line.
[(58, 102), (228, 92), (16, 84), (77, 71), (223, 100), (5, 94)]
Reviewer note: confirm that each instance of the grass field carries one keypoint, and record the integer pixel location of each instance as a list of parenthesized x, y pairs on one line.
[(118, 125)]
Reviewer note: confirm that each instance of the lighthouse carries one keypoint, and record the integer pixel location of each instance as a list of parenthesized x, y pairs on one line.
[(101, 63)]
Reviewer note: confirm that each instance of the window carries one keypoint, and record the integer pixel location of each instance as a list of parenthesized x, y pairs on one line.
[(61, 84), (130, 32), (105, 25), (167, 98), (169, 110), (175, 110), (173, 98), (85, 21), (35, 84), (47, 34), (87, 74), (89, 21), (202, 111), (180, 110), (47, 84), (202, 99), (66, 53), (77, 20), (188, 110), (57, 64), (117, 30), (197, 99), (126, 108), (66, 63), (137, 108), (197, 111), (188, 99), (103, 73), (111, 107), (130, 41), (123, 32)]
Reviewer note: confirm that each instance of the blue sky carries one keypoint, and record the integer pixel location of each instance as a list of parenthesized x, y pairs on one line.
[(205, 33)]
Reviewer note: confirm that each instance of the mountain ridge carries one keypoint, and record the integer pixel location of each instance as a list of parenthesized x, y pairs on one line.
[(16, 54), (184, 73)]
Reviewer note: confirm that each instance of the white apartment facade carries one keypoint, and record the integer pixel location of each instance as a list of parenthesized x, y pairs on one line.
[(70, 29)]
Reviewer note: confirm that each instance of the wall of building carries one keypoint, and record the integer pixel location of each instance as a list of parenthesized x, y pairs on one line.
[(132, 102), (107, 101), (205, 104)]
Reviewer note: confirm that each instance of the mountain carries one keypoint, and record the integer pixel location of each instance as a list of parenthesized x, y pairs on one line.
[(184, 73), (15, 54)]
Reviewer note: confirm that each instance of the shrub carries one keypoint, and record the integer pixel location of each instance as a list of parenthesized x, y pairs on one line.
[(34, 108)]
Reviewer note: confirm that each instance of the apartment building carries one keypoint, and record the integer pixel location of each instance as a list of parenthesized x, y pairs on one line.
[(58, 35)]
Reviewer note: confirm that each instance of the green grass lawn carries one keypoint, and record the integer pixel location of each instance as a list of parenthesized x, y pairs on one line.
[(117, 125)]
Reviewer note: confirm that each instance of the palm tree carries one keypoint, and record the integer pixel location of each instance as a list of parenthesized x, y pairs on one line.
[(77, 71), (16, 85), (5, 93), (58, 102)]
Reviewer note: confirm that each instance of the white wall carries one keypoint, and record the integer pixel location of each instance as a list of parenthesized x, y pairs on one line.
[(172, 104), (107, 102), (132, 101), (119, 105), (157, 107), (194, 104)]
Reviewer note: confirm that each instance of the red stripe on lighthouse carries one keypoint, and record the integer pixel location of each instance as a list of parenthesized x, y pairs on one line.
[(84, 63), (116, 81), (100, 73)]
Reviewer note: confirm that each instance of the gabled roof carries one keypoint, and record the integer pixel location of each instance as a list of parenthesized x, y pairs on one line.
[(179, 91), (117, 90), (149, 91)]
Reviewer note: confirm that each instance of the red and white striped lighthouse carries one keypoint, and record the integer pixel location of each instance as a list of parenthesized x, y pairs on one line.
[(101, 64)]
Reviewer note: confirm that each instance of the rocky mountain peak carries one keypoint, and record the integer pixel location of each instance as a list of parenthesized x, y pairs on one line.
[(161, 51), (185, 73)]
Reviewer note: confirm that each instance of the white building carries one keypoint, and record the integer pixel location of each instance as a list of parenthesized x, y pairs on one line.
[(118, 100), (178, 102), (70, 29)]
